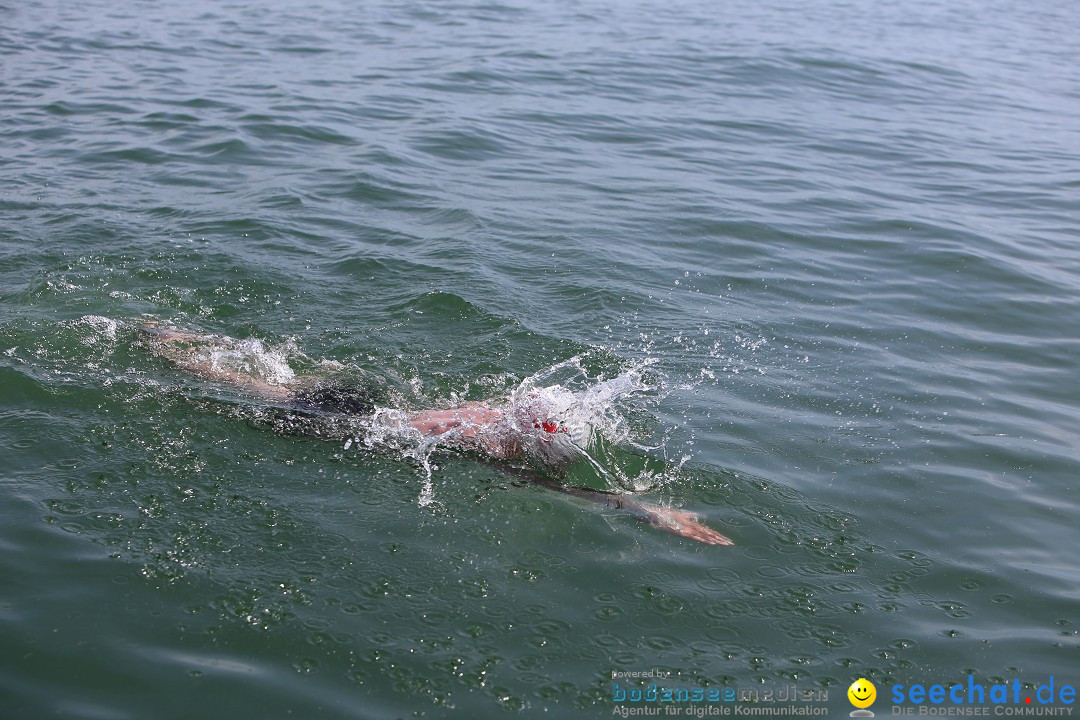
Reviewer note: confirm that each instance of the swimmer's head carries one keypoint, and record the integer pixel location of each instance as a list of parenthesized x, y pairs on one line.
[(545, 420)]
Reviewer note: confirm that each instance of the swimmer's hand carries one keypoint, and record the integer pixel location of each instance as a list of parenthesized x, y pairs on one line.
[(684, 524)]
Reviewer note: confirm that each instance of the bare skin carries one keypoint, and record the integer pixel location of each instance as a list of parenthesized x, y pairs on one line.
[(473, 426)]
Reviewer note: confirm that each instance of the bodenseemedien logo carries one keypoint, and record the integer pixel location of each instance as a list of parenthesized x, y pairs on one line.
[(862, 694)]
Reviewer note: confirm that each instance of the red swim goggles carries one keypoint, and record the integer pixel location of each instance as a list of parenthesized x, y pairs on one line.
[(549, 426)]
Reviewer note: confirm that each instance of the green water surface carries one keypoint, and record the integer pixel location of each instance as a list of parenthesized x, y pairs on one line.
[(843, 234)]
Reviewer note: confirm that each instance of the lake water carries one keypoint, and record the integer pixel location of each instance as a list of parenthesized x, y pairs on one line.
[(841, 238)]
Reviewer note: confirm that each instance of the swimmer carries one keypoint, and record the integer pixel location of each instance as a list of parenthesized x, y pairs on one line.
[(529, 428)]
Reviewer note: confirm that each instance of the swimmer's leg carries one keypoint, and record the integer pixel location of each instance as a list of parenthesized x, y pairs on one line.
[(182, 350), (466, 425)]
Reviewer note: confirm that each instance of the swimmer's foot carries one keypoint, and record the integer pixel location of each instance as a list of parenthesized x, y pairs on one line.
[(684, 524)]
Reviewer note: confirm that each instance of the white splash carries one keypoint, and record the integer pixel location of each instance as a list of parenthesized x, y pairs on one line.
[(103, 328), (251, 357), (553, 418)]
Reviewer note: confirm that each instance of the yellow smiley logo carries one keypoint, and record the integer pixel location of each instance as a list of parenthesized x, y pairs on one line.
[(862, 693)]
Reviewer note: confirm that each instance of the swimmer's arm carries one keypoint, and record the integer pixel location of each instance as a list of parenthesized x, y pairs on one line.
[(468, 419), (474, 426), (678, 522)]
